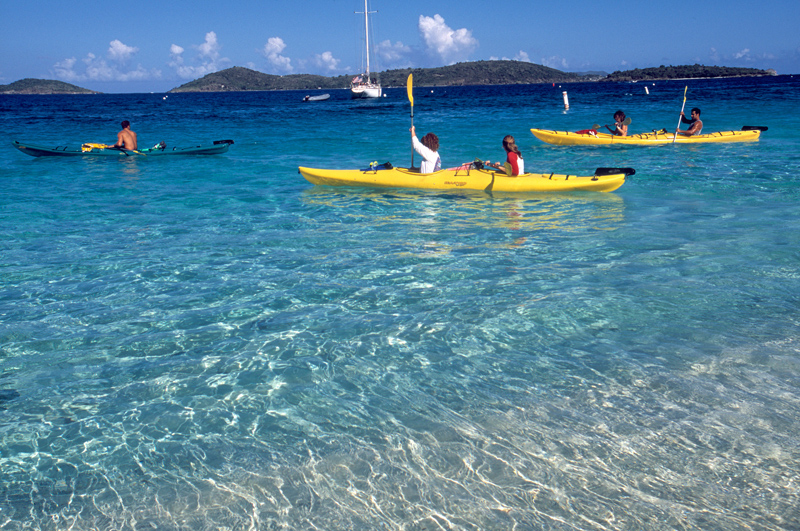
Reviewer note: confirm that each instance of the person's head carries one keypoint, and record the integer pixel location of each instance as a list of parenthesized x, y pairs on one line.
[(125, 123), (619, 116), (509, 144), (696, 112), (431, 142)]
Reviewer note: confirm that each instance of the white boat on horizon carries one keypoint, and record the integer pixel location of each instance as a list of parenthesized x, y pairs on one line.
[(362, 86)]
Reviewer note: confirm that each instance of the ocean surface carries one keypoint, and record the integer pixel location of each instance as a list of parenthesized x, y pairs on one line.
[(212, 343)]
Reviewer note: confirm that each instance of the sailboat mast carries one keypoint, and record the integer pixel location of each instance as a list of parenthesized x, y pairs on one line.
[(365, 88), (366, 32)]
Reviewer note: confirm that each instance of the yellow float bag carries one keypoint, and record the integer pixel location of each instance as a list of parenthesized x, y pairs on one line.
[(88, 146)]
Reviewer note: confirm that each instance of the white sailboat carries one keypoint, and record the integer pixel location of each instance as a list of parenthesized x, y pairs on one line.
[(362, 86)]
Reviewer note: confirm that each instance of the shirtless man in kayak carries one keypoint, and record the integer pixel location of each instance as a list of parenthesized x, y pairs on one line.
[(697, 124), (126, 138)]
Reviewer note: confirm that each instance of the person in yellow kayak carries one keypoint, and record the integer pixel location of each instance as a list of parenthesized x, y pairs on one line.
[(126, 138), (696, 126), (620, 127), (428, 148), (514, 165)]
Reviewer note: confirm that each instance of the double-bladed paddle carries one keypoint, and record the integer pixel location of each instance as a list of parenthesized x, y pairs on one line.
[(627, 121)]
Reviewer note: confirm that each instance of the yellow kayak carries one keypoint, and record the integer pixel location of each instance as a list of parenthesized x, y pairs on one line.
[(468, 177), (566, 138)]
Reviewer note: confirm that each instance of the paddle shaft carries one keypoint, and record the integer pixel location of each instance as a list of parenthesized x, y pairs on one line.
[(409, 86), (412, 145), (681, 115)]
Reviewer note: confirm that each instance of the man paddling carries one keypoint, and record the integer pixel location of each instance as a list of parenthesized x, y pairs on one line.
[(696, 124), (126, 138)]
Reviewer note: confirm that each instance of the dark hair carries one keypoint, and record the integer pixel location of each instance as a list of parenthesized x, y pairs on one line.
[(510, 145), (619, 113), (431, 142), (125, 123), (696, 110)]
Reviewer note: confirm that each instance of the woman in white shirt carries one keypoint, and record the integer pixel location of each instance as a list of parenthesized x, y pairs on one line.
[(428, 148)]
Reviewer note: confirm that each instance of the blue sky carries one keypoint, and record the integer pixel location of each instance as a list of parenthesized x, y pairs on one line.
[(154, 46)]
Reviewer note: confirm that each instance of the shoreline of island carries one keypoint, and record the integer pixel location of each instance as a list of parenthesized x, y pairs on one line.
[(476, 73)]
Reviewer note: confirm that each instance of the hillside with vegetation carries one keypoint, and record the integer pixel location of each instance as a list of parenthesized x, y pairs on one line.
[(239, 78), (480, 73), (42, 86), (685, 72)]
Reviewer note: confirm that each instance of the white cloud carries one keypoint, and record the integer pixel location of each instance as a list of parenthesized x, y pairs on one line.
[(744, 54), (210, 48), (120, 52), (442, 41), (521, 56), (555, 62), (395, 55), (272, 51), (208, 58), (65, 70), (274, 46), (326, 61), (98, 69)]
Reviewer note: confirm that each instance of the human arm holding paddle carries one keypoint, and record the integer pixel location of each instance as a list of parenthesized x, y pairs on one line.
[(620, 124), (695, 128), (428, 147)]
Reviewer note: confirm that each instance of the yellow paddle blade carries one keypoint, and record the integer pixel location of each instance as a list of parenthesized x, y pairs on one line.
[(409, 86)]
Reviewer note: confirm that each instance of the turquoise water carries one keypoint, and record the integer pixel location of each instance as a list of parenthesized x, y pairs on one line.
[(213, 343)]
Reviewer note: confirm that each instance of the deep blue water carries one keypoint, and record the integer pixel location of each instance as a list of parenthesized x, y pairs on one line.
[(213, 343)]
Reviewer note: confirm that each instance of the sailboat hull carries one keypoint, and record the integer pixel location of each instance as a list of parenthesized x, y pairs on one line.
[(366, 91)]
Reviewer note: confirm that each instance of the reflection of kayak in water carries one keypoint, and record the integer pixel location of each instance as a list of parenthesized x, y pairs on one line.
[(593, 138), (562, 212), (468, 177), (102, 150)]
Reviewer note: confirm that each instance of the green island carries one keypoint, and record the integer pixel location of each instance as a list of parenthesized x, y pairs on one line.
[(685, 72), (42, 86), (239, 79), (471, 73)]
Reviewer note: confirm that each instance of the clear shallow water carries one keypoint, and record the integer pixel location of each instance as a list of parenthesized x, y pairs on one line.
[(209, 343)]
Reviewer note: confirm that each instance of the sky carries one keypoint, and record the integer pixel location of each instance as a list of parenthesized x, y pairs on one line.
[(154, 46)]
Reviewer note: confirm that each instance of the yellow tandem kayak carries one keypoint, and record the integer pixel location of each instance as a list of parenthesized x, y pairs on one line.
[(468, 177), (566, 138)]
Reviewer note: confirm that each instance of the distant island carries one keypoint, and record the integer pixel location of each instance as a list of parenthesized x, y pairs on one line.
[(42, 86), (472, 73), (237, 78), (685, 72)]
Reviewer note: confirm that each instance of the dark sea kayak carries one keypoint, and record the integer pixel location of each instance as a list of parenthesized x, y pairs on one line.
[(99, 150)]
